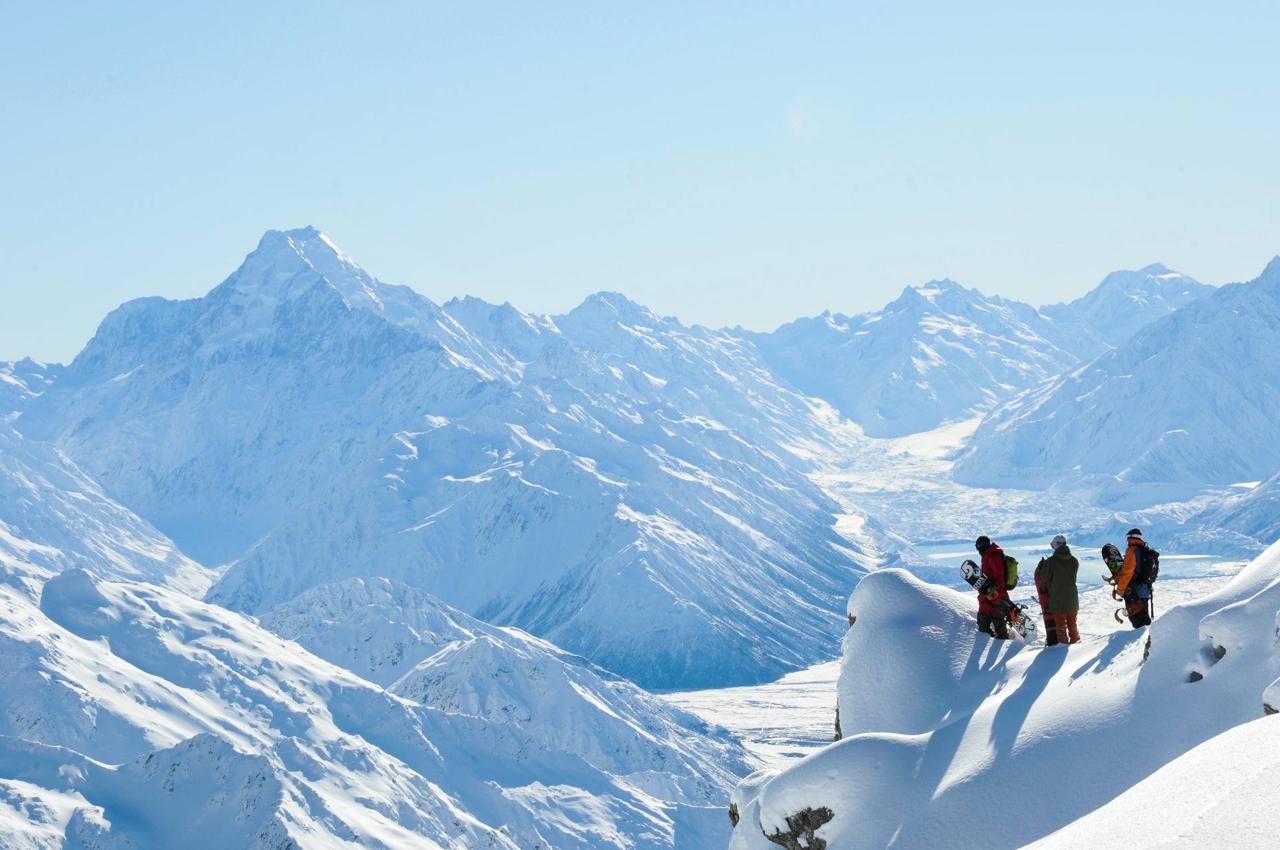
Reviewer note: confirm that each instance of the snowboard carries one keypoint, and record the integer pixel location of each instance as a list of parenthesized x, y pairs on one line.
[(973, 575), (1015, 615)]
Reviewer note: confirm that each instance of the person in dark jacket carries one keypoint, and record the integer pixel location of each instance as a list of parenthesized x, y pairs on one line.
[(1042, 590), (992, 606), (1059, 572)]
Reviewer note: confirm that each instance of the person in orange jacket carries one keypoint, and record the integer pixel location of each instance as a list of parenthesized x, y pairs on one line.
[(1133, 583)]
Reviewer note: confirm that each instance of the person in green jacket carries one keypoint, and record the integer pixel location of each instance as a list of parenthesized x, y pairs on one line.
[(1059, 572)]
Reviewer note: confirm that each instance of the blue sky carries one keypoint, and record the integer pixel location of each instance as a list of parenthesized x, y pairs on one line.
[(726, 163)]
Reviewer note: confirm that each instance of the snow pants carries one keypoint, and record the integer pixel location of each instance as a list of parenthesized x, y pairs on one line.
[(1050, 624), (1066, 626), (994, 625), (1138, 608)]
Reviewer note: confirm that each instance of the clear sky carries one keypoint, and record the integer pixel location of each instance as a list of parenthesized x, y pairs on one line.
[(739, 163)]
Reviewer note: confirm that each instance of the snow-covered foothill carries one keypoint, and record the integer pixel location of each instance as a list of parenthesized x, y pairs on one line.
[(1014, 721), (135, 716), (427, 652), (1252, 516)]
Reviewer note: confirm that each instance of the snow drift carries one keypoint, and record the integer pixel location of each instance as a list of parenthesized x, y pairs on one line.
[(986, 721)]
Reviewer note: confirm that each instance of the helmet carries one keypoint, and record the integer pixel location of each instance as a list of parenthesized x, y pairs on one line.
[(982, 543)]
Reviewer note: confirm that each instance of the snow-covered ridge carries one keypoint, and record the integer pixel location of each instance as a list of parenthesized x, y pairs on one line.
[(941, 352), (54, 517), (940, 721), (1123, 304), (425, 651), (136, 716), (938, 353)]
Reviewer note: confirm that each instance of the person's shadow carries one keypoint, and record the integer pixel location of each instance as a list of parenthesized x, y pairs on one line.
[(1012, 713)]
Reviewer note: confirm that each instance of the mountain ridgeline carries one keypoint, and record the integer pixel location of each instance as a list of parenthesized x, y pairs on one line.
[(942, 352), (637, 491), (630, 488)]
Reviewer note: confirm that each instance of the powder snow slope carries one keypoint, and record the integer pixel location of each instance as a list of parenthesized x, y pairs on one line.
[(630, 488), (1192, 399), (939, 353), (1221, 794), (135, 716), (942, 724)]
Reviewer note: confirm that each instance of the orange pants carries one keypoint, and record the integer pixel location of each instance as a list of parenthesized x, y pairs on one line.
[(1066, 624)]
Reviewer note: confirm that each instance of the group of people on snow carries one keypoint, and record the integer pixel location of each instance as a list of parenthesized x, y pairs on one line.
[(1131, 576)]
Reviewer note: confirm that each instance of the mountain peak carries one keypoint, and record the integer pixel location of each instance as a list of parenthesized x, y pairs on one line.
[(1272, 271), (310, 246), (617, 306)]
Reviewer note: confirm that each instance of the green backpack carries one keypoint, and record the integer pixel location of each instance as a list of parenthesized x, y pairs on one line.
[(1010, 572)]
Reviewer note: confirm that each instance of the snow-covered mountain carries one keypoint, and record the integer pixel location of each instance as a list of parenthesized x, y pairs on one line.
[(630, 488), (1123, 304), (1253, 515), (136, 716), (1191, 399), (945, 729), (54, 517), (938, 353), (21, 381), (427, 652)]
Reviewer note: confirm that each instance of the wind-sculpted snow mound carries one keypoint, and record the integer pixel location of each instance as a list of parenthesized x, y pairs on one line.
[(907, 684), (132, 716), (1221, 794), (1013, 722)]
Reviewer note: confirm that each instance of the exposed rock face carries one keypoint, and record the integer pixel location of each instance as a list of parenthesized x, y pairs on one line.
[(839, 731), (734, 817), (801, 828)]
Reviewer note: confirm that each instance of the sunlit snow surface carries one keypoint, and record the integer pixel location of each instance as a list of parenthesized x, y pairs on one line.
[(786, 720)]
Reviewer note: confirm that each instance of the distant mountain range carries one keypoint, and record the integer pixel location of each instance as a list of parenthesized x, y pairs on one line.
[(630, 488), (1190, 399), (943, 352)]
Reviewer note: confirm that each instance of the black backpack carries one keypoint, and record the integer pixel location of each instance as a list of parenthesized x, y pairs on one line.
[(1147, 570)]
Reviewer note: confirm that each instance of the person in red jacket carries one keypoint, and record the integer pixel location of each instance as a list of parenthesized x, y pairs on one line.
[(991, 607)]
